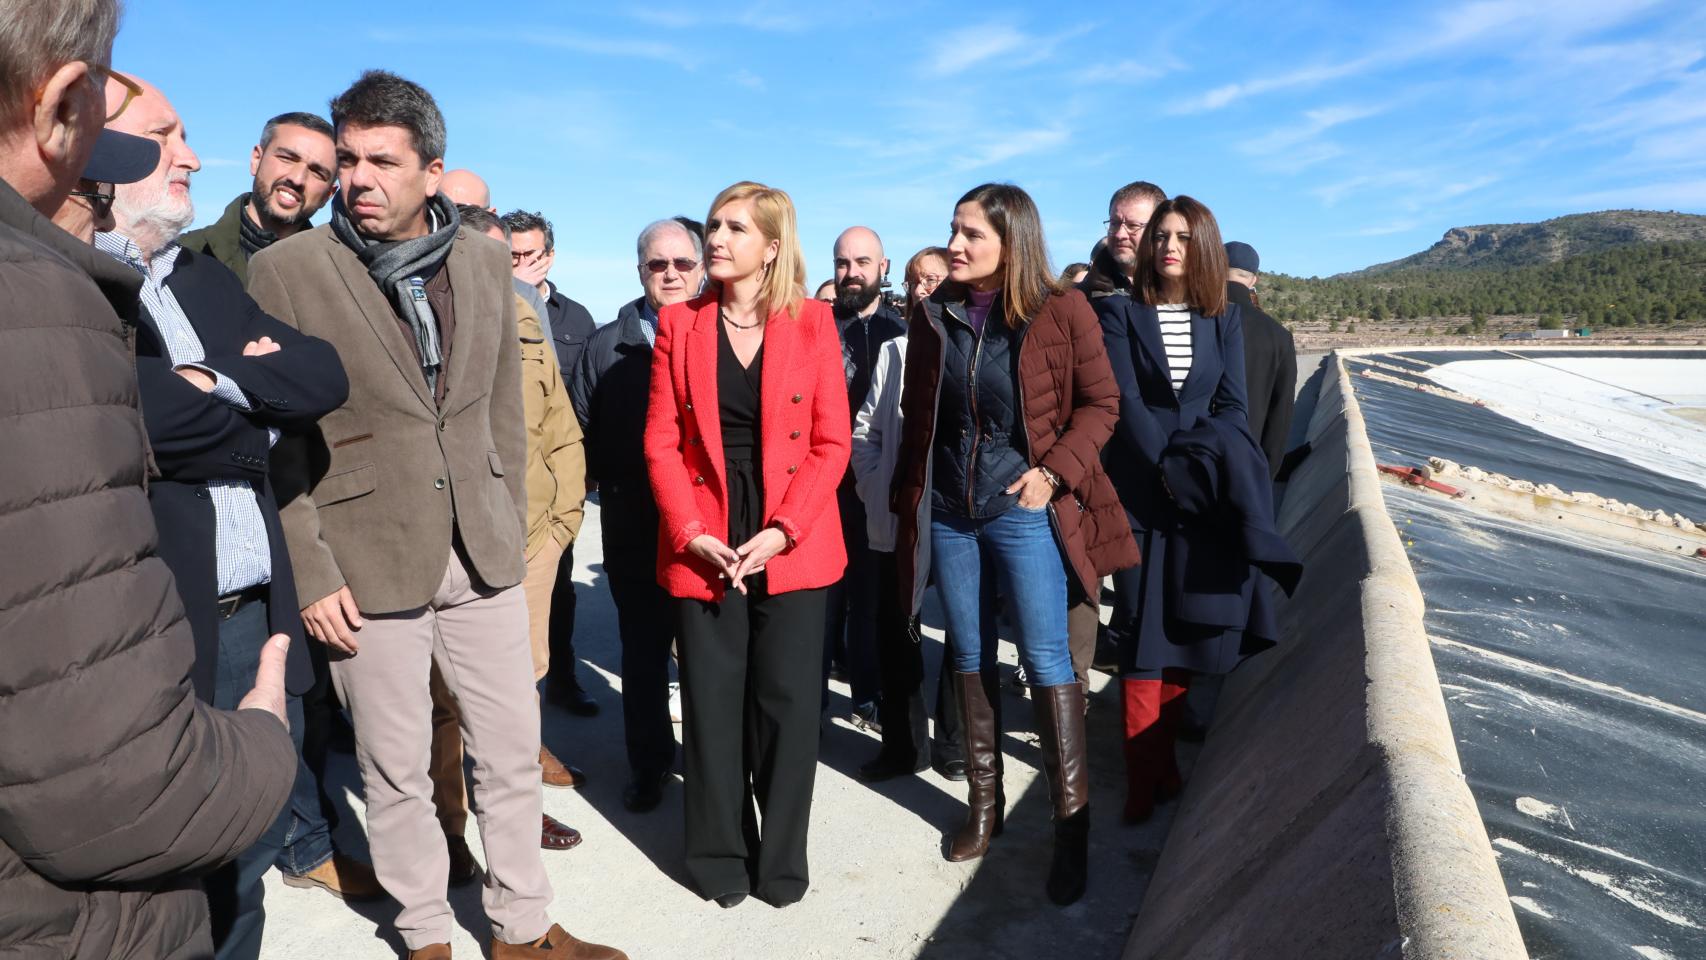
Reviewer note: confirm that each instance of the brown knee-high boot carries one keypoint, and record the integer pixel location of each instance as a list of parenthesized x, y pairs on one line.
[(1060, 722), (984, 794)]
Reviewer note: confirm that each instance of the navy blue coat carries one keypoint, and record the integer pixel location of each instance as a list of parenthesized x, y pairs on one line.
[(1192, 595), (196, 438)]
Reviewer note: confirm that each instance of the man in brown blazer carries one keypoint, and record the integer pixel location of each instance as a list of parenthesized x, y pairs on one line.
[(406, 510)]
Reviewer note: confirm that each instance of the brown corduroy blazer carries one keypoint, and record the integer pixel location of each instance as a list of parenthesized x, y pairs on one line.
[(371, 497)]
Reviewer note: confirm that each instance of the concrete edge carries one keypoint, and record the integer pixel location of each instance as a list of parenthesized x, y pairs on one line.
[(1451, 898)]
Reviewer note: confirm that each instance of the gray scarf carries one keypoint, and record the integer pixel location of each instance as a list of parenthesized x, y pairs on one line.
[(401, 267)]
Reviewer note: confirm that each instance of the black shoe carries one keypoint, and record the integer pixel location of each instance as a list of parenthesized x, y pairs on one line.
[(643, 793), (887, 767), (572, 698), (952, 769), (728, 900), (463, 868)]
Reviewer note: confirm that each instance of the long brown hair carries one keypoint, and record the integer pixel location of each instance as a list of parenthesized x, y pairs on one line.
[(773, 213), (1027, 279), (1205, 258)]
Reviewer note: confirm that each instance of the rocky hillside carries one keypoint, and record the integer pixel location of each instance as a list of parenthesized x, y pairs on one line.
[(1505, 245)]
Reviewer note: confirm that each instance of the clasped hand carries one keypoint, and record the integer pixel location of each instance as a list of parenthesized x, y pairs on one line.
[(1033, 489), (735, 564)]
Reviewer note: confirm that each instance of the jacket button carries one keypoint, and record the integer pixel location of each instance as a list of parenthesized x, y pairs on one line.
[(798, 397), (441, 426), (438, 484), (690, 406), (699, 481), (794, 436), (793, 469), (693, 442)]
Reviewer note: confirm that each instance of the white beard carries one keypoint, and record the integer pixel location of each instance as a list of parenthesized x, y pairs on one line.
[(150, 216)]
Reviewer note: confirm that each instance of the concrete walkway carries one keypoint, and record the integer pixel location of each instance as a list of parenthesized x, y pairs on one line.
[(880, 888)]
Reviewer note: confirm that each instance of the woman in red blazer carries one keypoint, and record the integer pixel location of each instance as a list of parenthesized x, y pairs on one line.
[(747, 437)]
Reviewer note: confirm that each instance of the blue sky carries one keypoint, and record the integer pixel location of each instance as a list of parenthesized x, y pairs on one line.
[(1329, 135)]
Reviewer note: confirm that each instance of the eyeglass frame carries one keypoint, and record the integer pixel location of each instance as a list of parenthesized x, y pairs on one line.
[(132, 89), (1131, 227), (668, 262), (100, 201)]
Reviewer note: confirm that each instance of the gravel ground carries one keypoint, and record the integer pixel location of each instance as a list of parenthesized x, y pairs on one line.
[(880, 888)]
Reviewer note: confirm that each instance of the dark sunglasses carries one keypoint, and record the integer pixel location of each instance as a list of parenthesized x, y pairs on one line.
[(659, 265), (100, 199)]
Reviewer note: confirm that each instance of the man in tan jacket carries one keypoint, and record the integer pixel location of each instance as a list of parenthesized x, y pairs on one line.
[(406, 512), (556, 495)]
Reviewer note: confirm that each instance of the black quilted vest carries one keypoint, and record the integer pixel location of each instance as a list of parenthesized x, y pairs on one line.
[(981, 446)]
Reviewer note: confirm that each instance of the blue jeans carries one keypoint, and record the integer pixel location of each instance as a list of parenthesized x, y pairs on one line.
[(1016, 555)]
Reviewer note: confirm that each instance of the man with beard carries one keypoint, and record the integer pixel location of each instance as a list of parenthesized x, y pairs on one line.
[(865, 324), (408, 527), (220, 381), (610, 394), (1114, 262), (295, 171)]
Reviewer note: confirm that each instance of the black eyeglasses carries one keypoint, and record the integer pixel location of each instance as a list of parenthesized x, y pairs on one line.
[(660, 264), (100, 199)]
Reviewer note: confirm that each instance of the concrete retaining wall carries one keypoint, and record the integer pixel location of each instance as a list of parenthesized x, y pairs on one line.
[(1327, 815)]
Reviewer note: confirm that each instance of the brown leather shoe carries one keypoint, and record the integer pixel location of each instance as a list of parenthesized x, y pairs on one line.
[(986, 800), (432, 951), (556, 773), (556, 835), (343, 877), (463, 867), (554, 945)]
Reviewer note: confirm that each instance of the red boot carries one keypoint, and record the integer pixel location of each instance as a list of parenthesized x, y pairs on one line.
[(1149, 765)]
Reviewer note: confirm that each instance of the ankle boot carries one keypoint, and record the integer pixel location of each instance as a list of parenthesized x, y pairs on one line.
[(987, 814), (1060, 722)]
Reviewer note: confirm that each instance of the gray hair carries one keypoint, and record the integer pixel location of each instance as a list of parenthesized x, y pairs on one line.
[(38, 37), (657, 227), (521, 221), (482, 220), (382, 99)]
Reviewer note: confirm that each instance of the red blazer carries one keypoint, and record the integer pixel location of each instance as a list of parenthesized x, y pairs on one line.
[(805, 436)]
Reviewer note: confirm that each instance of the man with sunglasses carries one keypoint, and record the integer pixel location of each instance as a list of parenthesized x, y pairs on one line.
[(610, 396), (533, 251), (121, 787), (221, 381), (118, 158)]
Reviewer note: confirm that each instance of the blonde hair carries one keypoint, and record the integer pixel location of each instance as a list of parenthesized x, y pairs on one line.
[(773, 213)]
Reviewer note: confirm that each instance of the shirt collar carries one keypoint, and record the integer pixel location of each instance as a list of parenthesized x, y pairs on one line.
[(125, 250)]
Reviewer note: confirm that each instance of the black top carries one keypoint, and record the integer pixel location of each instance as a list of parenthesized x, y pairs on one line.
[(739, 414)]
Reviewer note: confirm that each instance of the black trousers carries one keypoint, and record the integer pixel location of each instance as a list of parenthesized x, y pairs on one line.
[(749, 697), (645, 619), (900, 663), (850, 625), (562, 627)]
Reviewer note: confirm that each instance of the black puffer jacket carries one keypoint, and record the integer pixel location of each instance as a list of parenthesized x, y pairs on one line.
[(980, 433)]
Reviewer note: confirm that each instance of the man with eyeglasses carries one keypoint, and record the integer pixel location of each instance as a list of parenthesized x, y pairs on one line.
[(295, 170), (118, 158), (610, 393), (533, 251), (1114, 263), (221, 381), (121, 787)]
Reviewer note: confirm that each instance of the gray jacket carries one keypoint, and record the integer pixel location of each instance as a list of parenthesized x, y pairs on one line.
[(117, 787)]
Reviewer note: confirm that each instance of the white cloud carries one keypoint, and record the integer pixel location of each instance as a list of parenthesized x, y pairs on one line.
[(764, 17), (967, 47), (1387, 229), (1667, 195), (555, 39), (1012, 144), (748, 79), (1315, 122), (1125, 71)]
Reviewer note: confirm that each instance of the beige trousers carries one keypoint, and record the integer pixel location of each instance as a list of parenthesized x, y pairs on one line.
[(477, 641), (449, 790)]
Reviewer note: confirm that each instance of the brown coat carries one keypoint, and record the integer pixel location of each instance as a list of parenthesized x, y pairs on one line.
[(371, 495), (1071, 407), (117, 786), (556, 458)]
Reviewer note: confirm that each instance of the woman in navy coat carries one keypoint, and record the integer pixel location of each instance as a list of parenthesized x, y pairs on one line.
[(1177, 349)]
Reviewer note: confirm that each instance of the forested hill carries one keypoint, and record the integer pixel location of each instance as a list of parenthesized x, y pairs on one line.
[(1617, 268)]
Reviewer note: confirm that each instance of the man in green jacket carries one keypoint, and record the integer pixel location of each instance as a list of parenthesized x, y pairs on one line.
[(295, 167)]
